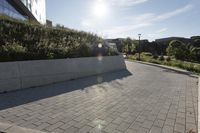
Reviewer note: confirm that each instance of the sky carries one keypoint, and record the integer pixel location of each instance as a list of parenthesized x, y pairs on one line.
[(128, 18)]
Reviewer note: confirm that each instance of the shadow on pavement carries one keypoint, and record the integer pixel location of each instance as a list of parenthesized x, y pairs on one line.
[(16, 98)]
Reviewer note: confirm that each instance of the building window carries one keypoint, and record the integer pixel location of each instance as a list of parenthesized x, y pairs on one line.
[(27, 3), (7, 9)]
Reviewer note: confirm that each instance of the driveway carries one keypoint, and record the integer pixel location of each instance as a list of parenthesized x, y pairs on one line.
[(142, 99)]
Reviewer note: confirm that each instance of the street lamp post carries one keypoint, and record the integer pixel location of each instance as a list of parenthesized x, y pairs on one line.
[(139, 35)]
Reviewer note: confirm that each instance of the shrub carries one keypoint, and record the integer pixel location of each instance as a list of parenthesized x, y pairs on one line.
[(129, 46), (146, 54), (23, 40), (82, 51), (194, 67), (137, 58), (197, 68), (161, 58), (154, 61), (155, 56), (9, 52), (177, 49), (112, 52), (168, 58)]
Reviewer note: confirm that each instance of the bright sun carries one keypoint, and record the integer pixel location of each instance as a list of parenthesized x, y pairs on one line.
[(100, 9)]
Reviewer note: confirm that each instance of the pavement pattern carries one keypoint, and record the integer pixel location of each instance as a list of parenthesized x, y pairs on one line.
[(141, 99)]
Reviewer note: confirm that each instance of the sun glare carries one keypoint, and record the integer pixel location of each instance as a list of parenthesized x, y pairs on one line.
[(100, 9)]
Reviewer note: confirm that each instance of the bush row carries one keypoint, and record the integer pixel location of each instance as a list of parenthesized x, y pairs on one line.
[(169, 61), (23, 40)]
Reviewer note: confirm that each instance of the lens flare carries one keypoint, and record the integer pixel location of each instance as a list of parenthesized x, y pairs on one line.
[(99, 45), (100, 57)]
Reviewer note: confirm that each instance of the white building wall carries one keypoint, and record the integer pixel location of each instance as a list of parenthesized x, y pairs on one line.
[(38, 9)]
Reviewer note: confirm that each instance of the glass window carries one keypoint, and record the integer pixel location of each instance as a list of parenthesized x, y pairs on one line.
[(7, 9), (27, 3), (29, 6)]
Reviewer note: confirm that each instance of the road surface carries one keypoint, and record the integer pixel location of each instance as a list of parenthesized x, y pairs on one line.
[(143, 99)]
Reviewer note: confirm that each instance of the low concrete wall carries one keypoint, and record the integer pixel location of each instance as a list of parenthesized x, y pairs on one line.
[(26, 74)]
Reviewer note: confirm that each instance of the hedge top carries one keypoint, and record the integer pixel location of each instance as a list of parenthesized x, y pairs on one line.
[(25, 40)]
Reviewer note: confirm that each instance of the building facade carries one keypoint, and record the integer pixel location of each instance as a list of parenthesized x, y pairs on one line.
[(37, 8), (25, 9)]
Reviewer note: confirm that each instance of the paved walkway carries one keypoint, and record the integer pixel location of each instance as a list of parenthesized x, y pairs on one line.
[(9, 128), (144, 99)]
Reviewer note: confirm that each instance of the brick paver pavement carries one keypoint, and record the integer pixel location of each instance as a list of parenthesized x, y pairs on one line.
[(146, 99)]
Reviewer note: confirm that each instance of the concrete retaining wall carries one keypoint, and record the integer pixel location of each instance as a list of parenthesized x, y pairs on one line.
[(26, 74)]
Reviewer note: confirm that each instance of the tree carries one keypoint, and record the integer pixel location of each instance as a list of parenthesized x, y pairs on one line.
[(194, 53), (197, 54), (197, 43), (129, 46), (195, 37), (178, 50)]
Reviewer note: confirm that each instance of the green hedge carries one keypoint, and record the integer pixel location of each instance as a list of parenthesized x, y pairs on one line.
[(24, 40)]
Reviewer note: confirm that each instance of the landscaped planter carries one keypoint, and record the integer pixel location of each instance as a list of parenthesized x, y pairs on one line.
[(26, 74)]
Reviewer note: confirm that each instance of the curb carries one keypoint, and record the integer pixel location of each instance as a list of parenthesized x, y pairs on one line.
[(178, 70), (8, 128)]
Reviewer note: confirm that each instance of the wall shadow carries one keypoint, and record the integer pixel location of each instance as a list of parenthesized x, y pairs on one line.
[(20, 97)]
